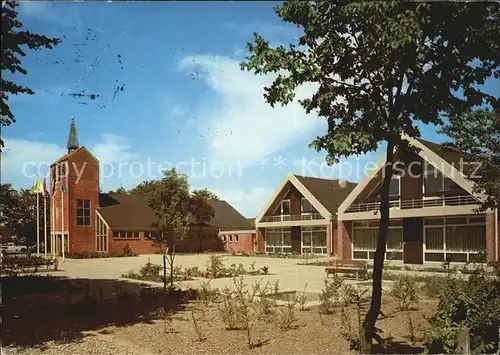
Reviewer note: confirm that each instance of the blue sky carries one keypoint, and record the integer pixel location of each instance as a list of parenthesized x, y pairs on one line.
[(170, 92)]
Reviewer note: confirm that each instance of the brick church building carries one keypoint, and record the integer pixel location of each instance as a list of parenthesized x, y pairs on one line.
[(86, 220)]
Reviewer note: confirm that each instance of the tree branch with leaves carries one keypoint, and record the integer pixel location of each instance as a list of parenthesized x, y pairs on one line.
[(15, 41)]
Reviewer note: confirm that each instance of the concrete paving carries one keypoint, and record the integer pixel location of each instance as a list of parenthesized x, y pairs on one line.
[(290, 275)]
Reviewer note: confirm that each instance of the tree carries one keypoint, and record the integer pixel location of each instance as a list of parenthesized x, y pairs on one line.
[(144, 189), (19, 212), (120, 190), (478, 134), (206, 194), (14, 41), (380, 67), (201, 210), (169, 198)]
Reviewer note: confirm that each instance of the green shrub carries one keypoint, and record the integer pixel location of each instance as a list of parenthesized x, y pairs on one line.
[(286, 317), (472, 303), (128, 252), (331, 295), (150, 269), (215, 266), (405, 291)]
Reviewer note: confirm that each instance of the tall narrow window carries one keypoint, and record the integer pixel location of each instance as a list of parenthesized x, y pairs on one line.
[(394, 187), (83, 212)]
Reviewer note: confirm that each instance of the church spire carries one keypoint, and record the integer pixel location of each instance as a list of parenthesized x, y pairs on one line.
[(72, 138)]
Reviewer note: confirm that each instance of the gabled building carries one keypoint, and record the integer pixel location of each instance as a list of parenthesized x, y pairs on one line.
[(301, 216), (433, 211), (85, 220)]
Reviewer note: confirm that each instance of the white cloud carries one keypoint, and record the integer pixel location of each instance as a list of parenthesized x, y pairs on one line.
[(249, 202), (114, 148), (23, 160), (242, 126)]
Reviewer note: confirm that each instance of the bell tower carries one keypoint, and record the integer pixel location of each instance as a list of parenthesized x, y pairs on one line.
[(74, 197)]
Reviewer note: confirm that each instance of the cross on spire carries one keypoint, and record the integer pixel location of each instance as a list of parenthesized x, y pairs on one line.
[(72, 138)]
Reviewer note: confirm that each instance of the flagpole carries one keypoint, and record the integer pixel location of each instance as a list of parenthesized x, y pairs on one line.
[(62, 221), (38, 223), (45, 225), (53, 219)]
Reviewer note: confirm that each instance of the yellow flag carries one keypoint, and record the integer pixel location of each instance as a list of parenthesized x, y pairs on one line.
[(37, 188)]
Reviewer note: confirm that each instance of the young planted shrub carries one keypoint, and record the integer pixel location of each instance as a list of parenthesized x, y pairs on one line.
[(330, 295), (239, 309), (286, 317), (215, 266), (472, 303), (206, 294), (359, 298), (150, 269), (166, 317), (302, 299), (198, 312), (405, 291), (265, 301)]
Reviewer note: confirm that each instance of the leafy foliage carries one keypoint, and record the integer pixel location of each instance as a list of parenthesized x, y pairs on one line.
[(478, 134), (472, 303), (14, 43), (20, 212)]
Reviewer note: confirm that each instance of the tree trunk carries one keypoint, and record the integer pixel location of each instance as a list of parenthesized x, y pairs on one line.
[(164, 272), (200, 237), (378, 260), (171, 257)]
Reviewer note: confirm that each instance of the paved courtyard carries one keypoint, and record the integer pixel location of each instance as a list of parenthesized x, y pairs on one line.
[(290, 275)]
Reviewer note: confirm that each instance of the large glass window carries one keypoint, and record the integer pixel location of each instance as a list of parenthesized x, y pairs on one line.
[(435, 182), (365, 237), (83, 212), (278, 240), (457, 239), (306, 206), (101, 235), (314, 240)]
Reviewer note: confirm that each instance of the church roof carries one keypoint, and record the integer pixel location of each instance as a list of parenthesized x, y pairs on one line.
[(132, 212), (72, 138)]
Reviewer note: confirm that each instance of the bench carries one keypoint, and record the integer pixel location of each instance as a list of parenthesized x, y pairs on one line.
[(353, 267)]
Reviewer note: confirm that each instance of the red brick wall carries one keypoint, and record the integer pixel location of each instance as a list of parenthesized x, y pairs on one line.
[(411, 187), (261, 241), (244, 244), (330, 238), (343, 249), (490, 237), (140, 246)]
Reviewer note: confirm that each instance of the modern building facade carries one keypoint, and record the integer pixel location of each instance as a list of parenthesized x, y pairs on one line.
[(85, 220), (301, 216), (433, 211)]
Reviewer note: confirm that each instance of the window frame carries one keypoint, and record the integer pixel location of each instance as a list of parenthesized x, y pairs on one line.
[(374, 226), (446, 222), (82, 215)]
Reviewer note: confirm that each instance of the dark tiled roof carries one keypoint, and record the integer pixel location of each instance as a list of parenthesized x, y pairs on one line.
[(132, 212), (228, 218), (328, 192), (450, 155), (126, 212), (251, 220)]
